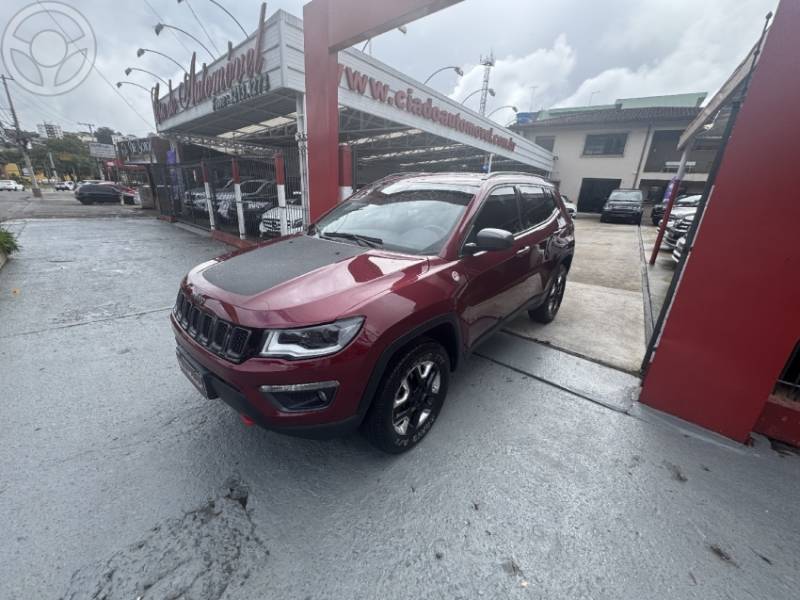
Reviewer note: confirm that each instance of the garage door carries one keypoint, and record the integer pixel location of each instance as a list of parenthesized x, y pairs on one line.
[(594, 193)]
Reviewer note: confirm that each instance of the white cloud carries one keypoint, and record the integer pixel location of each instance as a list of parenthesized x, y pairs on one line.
[(512, 78), (698, 54)]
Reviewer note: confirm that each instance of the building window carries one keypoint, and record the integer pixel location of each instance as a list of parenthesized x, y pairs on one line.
[(547, 142), (605, 144)]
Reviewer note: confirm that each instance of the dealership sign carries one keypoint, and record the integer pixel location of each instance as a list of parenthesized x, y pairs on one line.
[(98, 150), (242, 91), (209, 83), (423, 107)]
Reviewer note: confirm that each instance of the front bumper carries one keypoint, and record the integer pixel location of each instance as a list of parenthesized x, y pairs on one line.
[(238, 385), (621, 214)]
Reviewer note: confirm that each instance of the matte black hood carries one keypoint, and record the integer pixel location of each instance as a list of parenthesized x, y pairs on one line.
[(267, 266)]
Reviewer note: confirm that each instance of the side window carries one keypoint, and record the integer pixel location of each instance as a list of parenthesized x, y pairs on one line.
[(499, 211), (536, 205)]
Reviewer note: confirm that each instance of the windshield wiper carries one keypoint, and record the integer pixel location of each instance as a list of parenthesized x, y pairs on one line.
[(364, 240)]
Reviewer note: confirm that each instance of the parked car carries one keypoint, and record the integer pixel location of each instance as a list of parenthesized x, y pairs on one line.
[(9, 185), (270, 224), (677, 229), (571, 208), (89, 193), (258, 195), (195, 198), (681, 203), (624, 205), (680, 246), (359, 320), (65, 186)]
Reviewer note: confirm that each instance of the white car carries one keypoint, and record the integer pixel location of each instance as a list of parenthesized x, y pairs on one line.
[(270, 225), (9, 185), (65, 186), (570, 206)]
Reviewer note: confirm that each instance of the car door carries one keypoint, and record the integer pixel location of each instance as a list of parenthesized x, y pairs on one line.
[(490, 292), (540, 215)]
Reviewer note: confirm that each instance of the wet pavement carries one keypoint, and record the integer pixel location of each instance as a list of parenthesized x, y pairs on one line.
[(541, 479), (22, 205)]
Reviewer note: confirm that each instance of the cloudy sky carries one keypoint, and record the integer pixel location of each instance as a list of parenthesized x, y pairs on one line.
[(548, 52)]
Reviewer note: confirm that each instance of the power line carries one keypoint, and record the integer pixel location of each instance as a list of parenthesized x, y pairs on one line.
[(94, 66), (161, 20), (203, 27)]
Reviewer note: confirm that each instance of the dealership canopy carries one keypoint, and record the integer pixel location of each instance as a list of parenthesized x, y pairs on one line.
[(251, 98)]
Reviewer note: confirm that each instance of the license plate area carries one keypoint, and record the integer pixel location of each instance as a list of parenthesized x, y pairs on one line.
[(196, 374)]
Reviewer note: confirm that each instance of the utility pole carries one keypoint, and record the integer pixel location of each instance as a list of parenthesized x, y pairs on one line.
[(487, 63), (53, 171), (37, 193), (97, 160)]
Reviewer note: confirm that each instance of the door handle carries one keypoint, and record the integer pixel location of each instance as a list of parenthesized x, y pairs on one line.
[(523, 251)]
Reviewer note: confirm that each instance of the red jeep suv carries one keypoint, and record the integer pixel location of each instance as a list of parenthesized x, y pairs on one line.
[(359, 320)]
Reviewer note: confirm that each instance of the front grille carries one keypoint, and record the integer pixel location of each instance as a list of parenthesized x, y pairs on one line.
[(225, 339)]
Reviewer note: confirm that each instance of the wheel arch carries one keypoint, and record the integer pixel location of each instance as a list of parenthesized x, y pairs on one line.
[(444, 329)]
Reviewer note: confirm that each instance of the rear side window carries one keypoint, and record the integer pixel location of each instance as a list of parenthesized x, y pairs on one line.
[(536, 205), (499, 211)]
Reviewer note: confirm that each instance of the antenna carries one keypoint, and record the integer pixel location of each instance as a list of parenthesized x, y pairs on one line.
[(487, 63)]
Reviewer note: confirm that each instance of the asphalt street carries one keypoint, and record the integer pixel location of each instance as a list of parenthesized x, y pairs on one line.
[(542, 478)]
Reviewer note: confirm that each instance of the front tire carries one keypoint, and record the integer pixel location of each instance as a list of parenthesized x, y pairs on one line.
[(409, 398), (549, 308)]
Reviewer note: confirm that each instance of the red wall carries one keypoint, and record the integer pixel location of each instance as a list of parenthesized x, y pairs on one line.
[(736, 315)]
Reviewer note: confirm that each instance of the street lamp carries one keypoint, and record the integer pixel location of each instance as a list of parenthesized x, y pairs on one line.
[(129, 69), (514, 108), (478, 91), (227, 12), (456, 69), (121, 83), (161, 26), (140, 52)]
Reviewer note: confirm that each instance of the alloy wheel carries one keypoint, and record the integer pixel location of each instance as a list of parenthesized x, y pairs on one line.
[(415, 397), (556, 293)]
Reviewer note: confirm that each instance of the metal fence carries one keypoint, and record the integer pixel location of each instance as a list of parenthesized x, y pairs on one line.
[(185, 193)]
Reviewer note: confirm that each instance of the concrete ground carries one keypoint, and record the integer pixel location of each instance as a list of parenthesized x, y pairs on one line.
[(602, 316), (22, 205), (541, 479)]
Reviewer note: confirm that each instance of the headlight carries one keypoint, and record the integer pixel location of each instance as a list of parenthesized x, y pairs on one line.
[(308, 342)]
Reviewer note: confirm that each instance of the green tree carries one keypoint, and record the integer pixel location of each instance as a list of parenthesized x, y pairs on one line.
[(103, 135)]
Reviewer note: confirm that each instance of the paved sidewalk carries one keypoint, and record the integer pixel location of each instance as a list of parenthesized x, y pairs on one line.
[(541, 479)]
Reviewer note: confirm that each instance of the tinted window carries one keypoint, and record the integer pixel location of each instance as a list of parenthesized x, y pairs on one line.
[(626, 196), (605, 144), (499, 211), (545, 141), (250, 187), (536, 205), (407, 215)]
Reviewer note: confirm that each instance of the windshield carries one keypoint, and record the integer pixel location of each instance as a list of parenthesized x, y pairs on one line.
[(407, 216), (626, 196), (689, 200)]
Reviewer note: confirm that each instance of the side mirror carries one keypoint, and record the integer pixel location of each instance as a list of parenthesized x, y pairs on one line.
[(490, 239)]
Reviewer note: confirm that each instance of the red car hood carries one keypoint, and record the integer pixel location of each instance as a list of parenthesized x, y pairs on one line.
[(301, 280)]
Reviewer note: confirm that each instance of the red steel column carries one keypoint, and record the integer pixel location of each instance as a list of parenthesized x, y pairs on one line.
[(330, 26), (736, 315)]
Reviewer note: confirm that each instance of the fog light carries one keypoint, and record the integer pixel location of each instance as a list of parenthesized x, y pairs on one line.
[(301, 396)]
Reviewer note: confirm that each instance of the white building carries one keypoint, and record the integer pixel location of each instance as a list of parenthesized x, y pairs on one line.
[(50, 130), (629, 144)]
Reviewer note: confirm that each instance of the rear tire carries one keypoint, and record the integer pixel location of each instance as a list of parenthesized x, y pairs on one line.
[(86, 202), (555, 295), (409, 398), (603, 219)]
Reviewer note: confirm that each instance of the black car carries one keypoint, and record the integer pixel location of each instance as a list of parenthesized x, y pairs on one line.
[(683, 202), (625, 205), (89, 193)]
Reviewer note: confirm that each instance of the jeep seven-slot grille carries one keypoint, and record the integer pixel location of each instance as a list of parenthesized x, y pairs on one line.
[(224, 339)]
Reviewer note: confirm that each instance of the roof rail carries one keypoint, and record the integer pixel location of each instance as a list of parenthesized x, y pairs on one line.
[(497, 173)]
